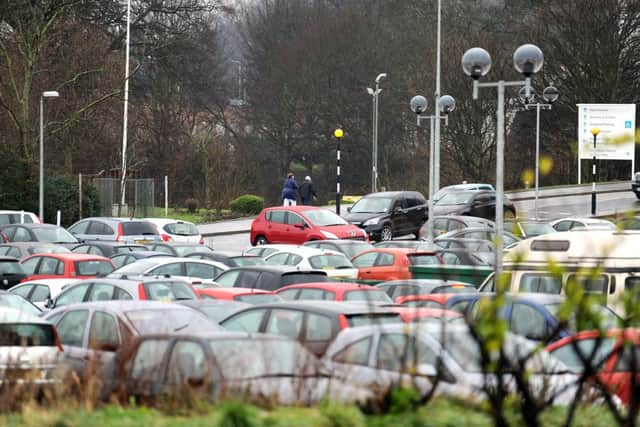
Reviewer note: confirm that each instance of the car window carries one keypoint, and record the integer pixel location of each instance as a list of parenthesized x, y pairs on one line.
[(48, 266), (93, 267), (122, 294), (248, 321), (276, 216), (568, 353), (313, 294), (385, 259), (563, 226), (293, 259), (285, 322), (120, 260), (71, 327), (79, 228), (289, 294), (22, 290), (82, 249), (356, 353), (423, 259), (137, 228), (101, 292), (597, 285), (103, 332), (203, 271), (391, 348), (95, 250), (293, 219), (277, 259), (527, 321), (99, 228), (169, 291), (20, 235), (188, 361), (147, 362), (172, 269), (451, 258), (403, 290), (632, 285), (365, 260), (319, 327), (540, 283), (228, 278), (9, 251), (72, 294), (40, 293)]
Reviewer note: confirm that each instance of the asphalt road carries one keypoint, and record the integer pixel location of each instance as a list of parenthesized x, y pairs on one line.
[(552, 204)]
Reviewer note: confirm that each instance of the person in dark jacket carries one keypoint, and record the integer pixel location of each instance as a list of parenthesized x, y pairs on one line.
[(290, 191), (307, 194)]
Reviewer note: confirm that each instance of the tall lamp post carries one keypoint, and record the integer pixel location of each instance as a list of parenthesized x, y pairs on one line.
[(338, 134), (550, 95), (594, 132), (46, 94), (418, 105), (374, 149), (476, 63)]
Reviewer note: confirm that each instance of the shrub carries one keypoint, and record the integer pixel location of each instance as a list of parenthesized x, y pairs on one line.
[(247, 204), (192, 205), (61, 193)]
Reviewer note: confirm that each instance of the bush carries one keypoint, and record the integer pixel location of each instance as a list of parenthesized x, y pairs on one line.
[(61, 193), (192, 205), (247, 204)]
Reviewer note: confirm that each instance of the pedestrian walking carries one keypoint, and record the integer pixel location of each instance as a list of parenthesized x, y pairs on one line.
[(290, 191), (307, 194)]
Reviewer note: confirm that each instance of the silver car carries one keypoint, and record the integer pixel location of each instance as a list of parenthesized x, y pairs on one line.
[(115, 229)]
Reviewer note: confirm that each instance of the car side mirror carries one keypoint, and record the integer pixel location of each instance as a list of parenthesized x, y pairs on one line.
[(349, 209), (49, 303)]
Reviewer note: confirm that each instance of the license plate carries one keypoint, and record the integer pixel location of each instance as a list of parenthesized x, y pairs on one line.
[(143, 242)]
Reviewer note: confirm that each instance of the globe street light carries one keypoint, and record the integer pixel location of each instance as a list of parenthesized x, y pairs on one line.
[(550, 95), (46, 94), (418, 105), (338, 134), (374, 150), (476, 62)]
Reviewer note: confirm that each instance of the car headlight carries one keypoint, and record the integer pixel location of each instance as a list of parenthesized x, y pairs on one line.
[(372, 221), (328, 235)]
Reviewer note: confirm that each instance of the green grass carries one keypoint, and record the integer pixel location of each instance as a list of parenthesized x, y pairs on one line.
[(201, 216), (437, 413)]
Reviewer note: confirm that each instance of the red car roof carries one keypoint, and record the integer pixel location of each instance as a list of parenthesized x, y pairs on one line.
[(439, 298), (332, 286), (71, 257), (631, 334), (297, 208)]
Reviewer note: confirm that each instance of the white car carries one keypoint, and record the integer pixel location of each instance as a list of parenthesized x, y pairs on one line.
[(195, 271), (567, 224), (335, 264), (42, 290), (266, 250), (174, 230), (18, 217)]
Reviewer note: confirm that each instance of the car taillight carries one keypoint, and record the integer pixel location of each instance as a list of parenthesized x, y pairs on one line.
[(142, 294), (166, 237), (120, 233), (57, 339), (201, 240), (344, 323)]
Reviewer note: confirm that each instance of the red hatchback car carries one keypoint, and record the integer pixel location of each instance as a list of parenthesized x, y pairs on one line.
[(384, 264), (334, 291), (613, 354), (72, 265), (299, 224), (248, 295)]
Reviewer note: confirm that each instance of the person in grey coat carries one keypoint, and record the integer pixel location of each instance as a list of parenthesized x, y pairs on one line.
[(307, 193)]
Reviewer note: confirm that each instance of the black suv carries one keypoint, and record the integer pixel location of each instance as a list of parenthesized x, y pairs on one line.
[(389, 214)]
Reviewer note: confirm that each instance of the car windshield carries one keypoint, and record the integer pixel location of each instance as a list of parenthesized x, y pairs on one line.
[(295, 278), (19, 303), (137, 268), (371, 295), (323, 217), (463, 348), (330, 261), (608, 318), (184, 320), (138, 228), (251, 358), (372, 205), (10, 267), (258, 298), (53, 235), (27, 335), (169, 291), (181, 229), (185, 250), (93, 268), (455, 198)]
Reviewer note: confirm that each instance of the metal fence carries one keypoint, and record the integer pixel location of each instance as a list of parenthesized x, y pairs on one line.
[(139, 197)]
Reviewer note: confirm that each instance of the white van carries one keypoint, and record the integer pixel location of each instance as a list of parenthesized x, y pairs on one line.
[(576, 254)]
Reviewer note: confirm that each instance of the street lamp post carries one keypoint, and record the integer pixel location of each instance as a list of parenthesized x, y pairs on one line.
[(476, 62), (550, 95), (418, 105), (374, 149), (594, 132), (338, 134), (46, 94)]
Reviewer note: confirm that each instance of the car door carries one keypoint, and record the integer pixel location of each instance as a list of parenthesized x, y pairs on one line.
[(103, 342), (198, 271), (187, 369), (388, 267), (72, 328), (354, 362), (276, 226), (49, 268), (144, 372), (483, 206), (297, 229), (318, 331), (79, 230), (399, 217), (20, 234), (72, 294), (283, 321), (246, 321), (416, 211), (526, 320), (365, 264)]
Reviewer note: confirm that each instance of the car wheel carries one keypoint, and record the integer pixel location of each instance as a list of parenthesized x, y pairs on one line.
[(386, 233), (261, 240)]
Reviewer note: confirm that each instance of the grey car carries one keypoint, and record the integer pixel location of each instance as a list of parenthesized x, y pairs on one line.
[(22, 250), (115, 229)]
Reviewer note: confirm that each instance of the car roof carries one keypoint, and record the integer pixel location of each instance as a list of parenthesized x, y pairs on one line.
[(332, 307), (32, 225), (278, 269), (51, 282), (298, 208), (114, 219), (165, 221), (196, 303), (435, 283), (306, 251), (71, 257), (109, 243), (392, 194), (122, 305), (235, 291), (333, 286), (31, 244)]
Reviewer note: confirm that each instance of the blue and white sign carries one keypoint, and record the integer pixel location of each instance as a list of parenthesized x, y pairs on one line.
[(616, 122)]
